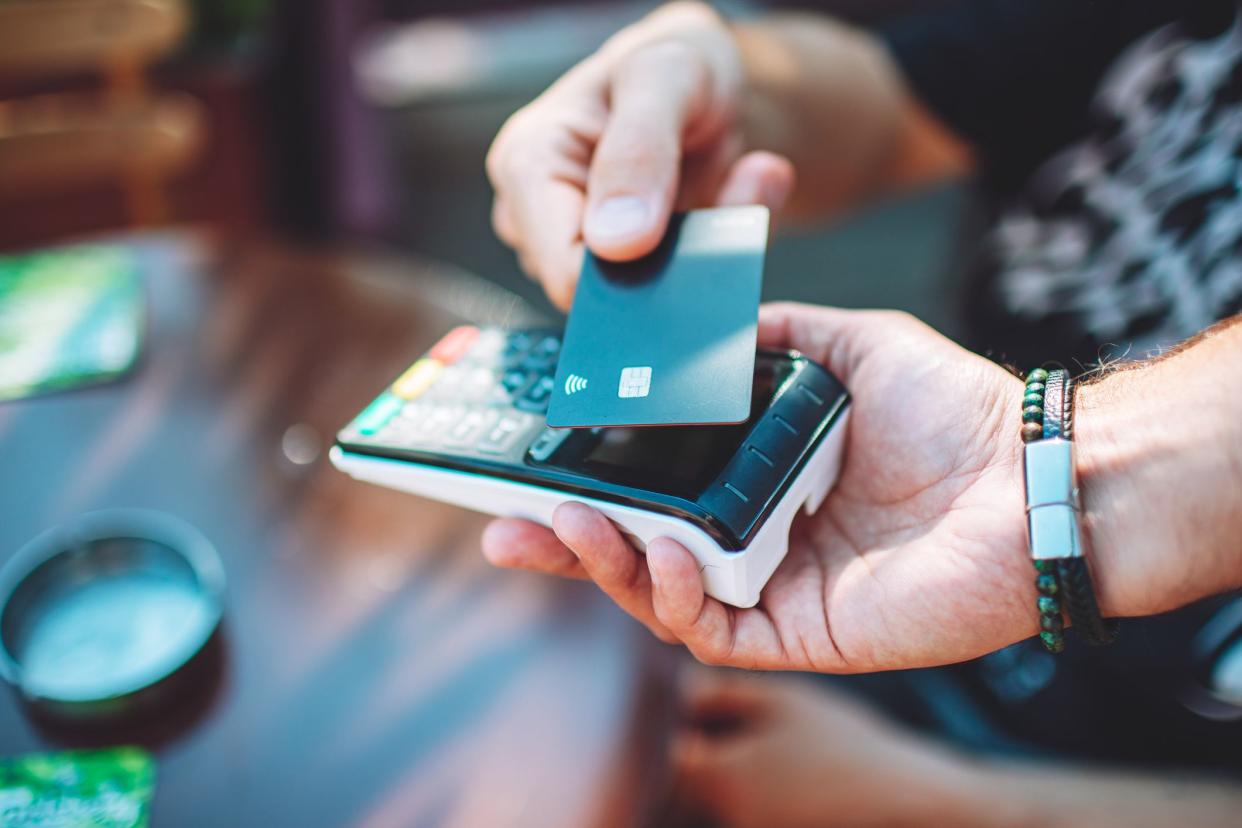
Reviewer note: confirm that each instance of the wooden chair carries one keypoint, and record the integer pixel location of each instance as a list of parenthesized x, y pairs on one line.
[(125, 133)]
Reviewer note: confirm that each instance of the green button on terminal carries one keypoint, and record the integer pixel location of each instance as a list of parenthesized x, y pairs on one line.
[(376, 415)]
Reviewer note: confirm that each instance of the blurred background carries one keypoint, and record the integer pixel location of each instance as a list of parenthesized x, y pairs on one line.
[(356, 121), (255, 214), (281, 203)]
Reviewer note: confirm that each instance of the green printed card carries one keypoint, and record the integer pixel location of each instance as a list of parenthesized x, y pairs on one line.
[(69, 316), (77, 789)]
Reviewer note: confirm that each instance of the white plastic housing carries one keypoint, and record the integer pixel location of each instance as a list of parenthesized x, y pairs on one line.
[(734, 577)]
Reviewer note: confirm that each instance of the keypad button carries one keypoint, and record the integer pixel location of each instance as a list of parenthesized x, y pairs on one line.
[(513, 361), (537, 363), (454, 344), (438, 420), (503, 434), (447, 386), (478, 385), (514, 381), (487, 346), (377, 414), (515, 350), (418, 425), (415, 412), (519, 341), (549, 346), (418, 378), (548, 442), (467, 430), (537, 396), (396, 433)]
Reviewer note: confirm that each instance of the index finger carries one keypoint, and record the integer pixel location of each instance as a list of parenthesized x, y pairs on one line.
[(714, 633), (614, 565), (654, 92)]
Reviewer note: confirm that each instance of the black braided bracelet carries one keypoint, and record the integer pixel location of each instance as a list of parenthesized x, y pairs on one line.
[(1054, 404), (1078, 598), (1047, 579), (1077, 592)]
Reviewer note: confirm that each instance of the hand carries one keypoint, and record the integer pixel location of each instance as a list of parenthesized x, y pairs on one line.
[(917, 557), (760, 751), (603, 155)]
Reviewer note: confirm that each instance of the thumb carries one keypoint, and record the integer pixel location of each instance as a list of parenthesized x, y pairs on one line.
[(835, 338), (655, 92)]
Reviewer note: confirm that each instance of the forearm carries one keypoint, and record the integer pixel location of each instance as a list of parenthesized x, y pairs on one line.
[(828, 97), (1160, 462), (1018, 795)]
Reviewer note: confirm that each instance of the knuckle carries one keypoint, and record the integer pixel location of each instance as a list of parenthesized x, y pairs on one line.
[(710, 653), (494, 163), (691, 12), (664, 635), (670, 55), (706, 658), (631, 148), (503, 225), (506, 146), (898, 318)]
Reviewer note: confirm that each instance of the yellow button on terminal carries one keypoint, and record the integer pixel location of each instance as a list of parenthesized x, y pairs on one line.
[(418, 378)]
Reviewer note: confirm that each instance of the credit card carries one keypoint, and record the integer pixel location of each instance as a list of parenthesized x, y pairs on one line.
[(668, 339)]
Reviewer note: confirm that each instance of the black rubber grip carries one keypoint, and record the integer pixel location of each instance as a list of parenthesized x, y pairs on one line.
[(1078, 599)]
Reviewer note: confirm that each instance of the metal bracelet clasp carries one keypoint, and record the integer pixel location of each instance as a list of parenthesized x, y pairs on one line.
[(1052, 503)]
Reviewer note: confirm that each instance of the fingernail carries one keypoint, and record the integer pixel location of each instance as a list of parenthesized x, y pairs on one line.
[(655, 577), (618, 217), (775, 194)]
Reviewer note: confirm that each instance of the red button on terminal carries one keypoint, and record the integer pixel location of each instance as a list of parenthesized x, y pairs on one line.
[(454, 343)]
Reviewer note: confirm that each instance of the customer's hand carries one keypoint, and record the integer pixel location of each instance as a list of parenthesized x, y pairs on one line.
[(762, 751), (917, 557), (776, 752), (648, 123)]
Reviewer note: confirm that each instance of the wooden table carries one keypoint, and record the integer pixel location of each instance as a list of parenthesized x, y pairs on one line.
[(374, 671)]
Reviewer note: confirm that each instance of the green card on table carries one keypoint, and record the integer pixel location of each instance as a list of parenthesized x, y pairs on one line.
[(77, 789), (68, 316)]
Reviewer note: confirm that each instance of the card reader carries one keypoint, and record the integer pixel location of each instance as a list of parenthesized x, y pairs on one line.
[(465, 425)]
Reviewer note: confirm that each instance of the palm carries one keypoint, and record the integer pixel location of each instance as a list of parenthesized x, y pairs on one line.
[(915, 558)]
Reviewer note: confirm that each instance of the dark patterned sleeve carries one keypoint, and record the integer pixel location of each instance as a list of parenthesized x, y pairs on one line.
[(1014, 78)]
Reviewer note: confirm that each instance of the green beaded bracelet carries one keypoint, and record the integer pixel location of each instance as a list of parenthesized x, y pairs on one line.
[(1047, 582), (1051, 625)]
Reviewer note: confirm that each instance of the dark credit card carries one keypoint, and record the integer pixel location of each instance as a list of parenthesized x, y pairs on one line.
[(668, 339)]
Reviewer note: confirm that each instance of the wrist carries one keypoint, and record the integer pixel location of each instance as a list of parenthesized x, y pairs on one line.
[(1158, 488), (971, 792), (805, 76)]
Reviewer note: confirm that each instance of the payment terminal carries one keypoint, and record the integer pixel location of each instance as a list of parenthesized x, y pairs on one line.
[(465, 425)]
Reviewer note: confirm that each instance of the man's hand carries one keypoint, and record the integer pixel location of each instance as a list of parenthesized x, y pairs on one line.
[(757, 751), (917, 557), (764, 750), (681, 111), (648, 123)]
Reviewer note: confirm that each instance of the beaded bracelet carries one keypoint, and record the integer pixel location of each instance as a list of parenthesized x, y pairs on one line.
[(1047, 579), (1056, 548)]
